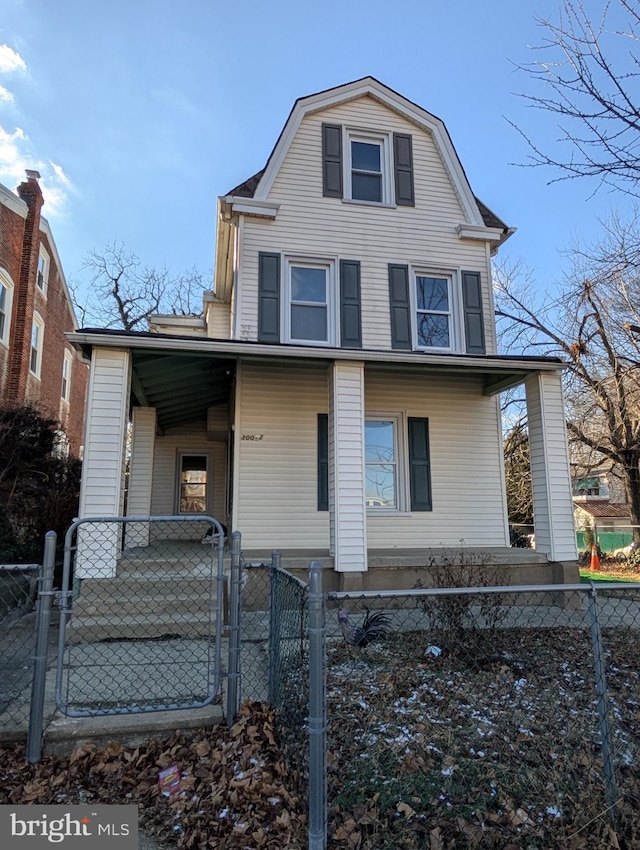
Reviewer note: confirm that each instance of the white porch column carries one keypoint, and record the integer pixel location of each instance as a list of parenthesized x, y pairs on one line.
[(550, 476), (143, 437), (347, 509), (102, 490)]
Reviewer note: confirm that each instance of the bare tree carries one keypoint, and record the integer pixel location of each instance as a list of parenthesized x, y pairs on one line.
[(125, 293), (517, 468), (588, 324), (590, 70)]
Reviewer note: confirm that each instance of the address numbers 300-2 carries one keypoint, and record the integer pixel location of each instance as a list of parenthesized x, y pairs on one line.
[(253, 437)]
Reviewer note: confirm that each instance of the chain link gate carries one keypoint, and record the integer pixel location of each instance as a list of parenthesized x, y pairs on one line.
[(141, 620)]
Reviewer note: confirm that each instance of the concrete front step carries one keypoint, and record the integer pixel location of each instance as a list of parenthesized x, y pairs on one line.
[(141, 626)]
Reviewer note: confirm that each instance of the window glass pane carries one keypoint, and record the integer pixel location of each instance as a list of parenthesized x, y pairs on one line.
[(365, 156), (193, 484), (3, 298), (433, 293), (379, 441), (308, 322), (433, 330), (366, 187), (381, 485), (308, 284)]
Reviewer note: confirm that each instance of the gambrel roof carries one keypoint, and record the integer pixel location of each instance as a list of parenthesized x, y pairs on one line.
[(258, 185)]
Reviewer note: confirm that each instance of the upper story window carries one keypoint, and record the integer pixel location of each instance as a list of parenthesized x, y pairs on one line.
[(37, 336), (6, 303), (67, 364), (309, 305), (42, 279), (434, 320), (369, 178), (367, 166), (436, 311)]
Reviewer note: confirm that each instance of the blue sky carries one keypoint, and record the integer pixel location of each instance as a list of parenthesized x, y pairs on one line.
[(139, 113)]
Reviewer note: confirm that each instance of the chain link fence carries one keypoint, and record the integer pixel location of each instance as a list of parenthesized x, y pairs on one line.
[(18, 586), (483, 717), (141, 616)]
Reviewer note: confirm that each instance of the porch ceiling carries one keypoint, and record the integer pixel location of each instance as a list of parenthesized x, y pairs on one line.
[(180, 386)]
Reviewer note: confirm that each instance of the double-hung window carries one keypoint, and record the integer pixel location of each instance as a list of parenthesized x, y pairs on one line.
[(6, 302), (368, 170), (310, 305), (35, 356), (42, 278), (382, 471), (434, 311), (67, 363)]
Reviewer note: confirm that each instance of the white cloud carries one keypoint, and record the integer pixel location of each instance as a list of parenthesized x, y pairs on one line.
[(10, 60), (17, 152), (16, 155)]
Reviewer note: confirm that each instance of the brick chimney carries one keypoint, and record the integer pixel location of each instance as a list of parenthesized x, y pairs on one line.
[(24, 296)]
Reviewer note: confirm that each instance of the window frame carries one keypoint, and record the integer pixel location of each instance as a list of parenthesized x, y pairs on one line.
[(330, 265), (456, 335), (36, 324), (5, 315), (385, 142), (43, 257), (401, 461), (208, 484)]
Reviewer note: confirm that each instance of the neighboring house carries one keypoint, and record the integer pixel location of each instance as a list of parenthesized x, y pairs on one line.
[(38, 365), (340, 397), (611, 522)]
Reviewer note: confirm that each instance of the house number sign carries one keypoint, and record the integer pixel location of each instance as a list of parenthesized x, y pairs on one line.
[(253, 437)]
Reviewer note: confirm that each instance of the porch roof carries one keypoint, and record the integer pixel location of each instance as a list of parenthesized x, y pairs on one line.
[(182, 376)]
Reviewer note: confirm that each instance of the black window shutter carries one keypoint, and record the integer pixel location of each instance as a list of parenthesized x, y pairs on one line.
[(400, 307), (473, 319), (350, 313), (403, 167), (268, 297), (419, 465), (323, 462), (332, 160)]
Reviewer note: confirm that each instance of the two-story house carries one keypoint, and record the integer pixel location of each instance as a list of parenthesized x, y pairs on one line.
[(340, 396), (38, 365)]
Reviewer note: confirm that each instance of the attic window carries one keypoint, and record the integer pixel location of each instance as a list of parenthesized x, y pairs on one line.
[(368, 172)]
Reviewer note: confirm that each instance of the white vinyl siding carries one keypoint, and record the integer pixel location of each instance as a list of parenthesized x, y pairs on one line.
[(346, 478), (108, 402), (465, 451), (218, 320), (102, 488), (550, 476), (309, 224), (277, 475), (277, 452), (192, 440), (143, 430)]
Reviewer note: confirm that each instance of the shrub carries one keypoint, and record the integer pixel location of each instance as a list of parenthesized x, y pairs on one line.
[(39, 491), (465, 624)]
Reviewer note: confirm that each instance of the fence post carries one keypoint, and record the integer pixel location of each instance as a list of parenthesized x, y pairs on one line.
[(611, 789), (43, 619), (233, 676), (274, 630), (317, 712)]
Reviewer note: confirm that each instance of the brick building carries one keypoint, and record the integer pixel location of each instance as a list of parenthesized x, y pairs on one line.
[(37, 364)]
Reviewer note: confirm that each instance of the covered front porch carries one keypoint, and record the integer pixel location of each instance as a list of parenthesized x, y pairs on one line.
[(232, 430)]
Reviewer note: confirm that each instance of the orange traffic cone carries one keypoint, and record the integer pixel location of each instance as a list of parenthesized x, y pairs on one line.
[(594, 567)]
